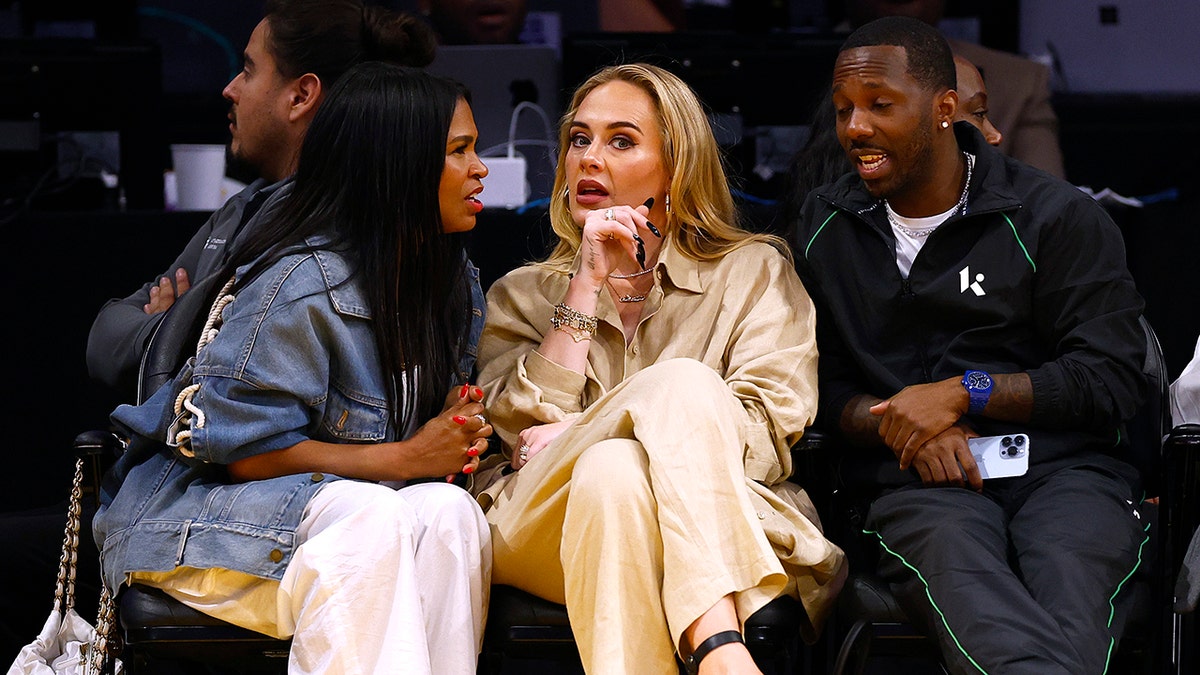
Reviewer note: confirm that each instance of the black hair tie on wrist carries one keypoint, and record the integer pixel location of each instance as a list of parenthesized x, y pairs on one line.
[(692, 663)]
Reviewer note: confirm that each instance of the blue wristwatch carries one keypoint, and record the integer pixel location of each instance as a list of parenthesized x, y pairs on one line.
[(979, 387)]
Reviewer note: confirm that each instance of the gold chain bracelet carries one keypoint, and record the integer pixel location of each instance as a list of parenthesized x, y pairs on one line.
[(573, 322)]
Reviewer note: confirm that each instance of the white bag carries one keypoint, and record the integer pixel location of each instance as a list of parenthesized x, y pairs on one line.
[(68, 645)]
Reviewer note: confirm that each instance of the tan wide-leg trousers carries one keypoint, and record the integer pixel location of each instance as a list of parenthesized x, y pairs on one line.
[(639, 519)]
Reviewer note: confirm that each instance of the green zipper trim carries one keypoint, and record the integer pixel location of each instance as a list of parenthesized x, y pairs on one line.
[(931, 602), (1019, 242), (1112, 610), (818, 232)]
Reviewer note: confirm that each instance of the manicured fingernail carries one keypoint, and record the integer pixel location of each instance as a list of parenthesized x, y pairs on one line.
[(459, 419), (653, 230), (649, 203), (638, 238), (478, 392), (468, 469), (641, 255), (465, 389), (473, 452)]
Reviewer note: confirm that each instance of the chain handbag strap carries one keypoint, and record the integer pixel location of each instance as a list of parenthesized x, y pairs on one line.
[(64, 589), (105, 642)]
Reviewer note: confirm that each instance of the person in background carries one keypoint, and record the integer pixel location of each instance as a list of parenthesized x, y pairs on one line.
[(641, 16), (962, 294), (973, 101), (648, 381), (819, 162), (475, 22), (294, 55), (1185, 409), (1020, 89), (278, 482)]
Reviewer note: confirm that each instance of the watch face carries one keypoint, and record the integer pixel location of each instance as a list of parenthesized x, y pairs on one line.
[(978, 380)]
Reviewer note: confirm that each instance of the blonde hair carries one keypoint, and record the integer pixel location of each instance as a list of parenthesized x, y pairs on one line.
[(703, 220)]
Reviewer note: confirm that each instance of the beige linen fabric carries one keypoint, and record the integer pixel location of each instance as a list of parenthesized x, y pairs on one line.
[(668, 491)]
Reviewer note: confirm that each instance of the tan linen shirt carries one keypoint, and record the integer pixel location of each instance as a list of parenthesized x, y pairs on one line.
[(746, 316)]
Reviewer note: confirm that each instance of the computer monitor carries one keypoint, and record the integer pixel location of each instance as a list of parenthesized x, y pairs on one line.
[(501, 77)]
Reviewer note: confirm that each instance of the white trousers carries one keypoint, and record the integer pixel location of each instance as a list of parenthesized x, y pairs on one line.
[(384, 581)]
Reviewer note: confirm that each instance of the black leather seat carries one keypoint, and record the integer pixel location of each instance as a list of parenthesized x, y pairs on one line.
[(156, 628), (524, 626)]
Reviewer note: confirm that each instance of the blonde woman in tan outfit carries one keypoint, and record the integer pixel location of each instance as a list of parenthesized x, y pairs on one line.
[(648, 379)]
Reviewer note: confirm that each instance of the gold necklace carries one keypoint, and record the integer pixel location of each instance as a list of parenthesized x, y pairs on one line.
[(626, 297)]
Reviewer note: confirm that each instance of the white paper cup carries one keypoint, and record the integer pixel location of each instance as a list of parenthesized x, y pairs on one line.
[(199, 171)]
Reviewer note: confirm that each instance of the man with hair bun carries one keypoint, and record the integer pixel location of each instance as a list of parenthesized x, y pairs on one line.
[(293, 58), (295, 54)]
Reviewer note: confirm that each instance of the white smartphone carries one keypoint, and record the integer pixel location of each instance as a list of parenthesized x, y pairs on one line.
[(1001, 456)]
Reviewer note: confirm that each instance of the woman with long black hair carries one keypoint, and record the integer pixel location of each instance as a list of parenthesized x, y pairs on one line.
[(328, 356)]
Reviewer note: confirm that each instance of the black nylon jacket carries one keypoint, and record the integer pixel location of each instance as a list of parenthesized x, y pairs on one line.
[(1057, 302)]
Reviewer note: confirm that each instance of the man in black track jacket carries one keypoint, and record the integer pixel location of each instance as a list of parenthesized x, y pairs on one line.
[(961, 293)]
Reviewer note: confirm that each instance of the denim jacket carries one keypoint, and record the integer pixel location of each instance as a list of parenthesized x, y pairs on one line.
[(295, 359)]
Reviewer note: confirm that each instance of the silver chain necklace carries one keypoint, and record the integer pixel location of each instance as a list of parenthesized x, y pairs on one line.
[(635, 275), (960, 207)]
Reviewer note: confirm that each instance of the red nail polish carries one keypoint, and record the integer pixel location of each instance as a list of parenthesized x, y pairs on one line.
[(459, 419), (472, 452), (468, 469), (465, 388), (478, 392)]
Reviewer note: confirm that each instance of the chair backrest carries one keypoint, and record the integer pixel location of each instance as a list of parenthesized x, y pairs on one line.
[(174, 340), (1152, 421)]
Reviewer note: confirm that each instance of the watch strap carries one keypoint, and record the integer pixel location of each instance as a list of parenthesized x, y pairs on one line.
[(977, 398)]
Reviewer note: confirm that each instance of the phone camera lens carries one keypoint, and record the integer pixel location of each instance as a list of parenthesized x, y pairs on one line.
[(1006, 441), (1019, 440)]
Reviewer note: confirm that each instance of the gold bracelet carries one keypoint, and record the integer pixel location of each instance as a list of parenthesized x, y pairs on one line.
[(573, 322), (576, 334)]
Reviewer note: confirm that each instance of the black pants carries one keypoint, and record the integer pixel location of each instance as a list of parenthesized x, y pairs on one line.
[(1020, 579)]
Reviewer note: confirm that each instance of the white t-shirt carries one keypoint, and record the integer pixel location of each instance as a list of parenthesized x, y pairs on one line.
[(907, 246)]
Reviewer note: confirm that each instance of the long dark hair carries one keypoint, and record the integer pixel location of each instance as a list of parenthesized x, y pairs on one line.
[(821, 161), (367, 178)]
